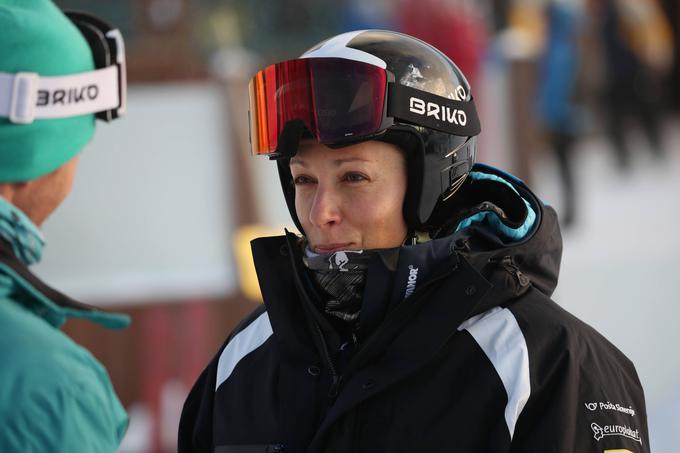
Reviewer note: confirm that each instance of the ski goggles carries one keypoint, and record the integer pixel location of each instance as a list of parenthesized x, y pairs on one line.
[(27, 96), (342, 101)]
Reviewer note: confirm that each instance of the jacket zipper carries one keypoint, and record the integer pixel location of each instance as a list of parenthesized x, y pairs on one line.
[(336, 378), (326, 356), (509, 265)]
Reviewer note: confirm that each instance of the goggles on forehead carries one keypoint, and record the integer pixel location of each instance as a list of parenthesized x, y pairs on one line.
[(27, 96), (340, 101)]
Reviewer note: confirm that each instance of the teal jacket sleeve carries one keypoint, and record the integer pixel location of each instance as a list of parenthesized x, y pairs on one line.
[(56, 410)]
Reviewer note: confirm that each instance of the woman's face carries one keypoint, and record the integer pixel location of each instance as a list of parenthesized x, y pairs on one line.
[(350, 198)]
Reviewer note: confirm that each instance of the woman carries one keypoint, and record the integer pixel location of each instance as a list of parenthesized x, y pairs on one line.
[(413, 314)]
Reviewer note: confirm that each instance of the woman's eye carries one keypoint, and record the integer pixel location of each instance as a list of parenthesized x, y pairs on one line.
[(302, 179), (355, 177)]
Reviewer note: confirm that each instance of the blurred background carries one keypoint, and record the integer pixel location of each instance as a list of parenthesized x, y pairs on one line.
[(580, 98)]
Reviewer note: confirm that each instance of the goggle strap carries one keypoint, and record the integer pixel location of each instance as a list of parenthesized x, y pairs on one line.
[(25, 96), (434, 112)]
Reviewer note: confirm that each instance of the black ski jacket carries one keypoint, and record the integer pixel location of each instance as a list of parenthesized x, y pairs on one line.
[(472, 355)]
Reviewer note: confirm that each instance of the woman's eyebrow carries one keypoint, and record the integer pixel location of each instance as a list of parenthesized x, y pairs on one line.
[(338, 162), (297, 161)]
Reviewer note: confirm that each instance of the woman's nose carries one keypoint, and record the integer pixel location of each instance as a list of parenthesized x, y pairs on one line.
[(325, 209)]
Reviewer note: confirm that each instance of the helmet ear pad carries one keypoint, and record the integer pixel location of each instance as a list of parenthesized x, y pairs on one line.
[(411, 144), (286, 178), (289, 141), (436, 164)]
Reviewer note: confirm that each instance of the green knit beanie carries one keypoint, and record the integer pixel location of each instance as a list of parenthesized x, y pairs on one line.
[(37, 37)]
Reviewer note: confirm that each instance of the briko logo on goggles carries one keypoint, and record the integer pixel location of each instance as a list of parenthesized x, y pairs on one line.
[(340, 101), (27, 96)]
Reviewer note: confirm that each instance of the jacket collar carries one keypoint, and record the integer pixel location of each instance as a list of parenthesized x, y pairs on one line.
[(512, 259), (21, 234), (274, 262), (45, 301), (426, 318)]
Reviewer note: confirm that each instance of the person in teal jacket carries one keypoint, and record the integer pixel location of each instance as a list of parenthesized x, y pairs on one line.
[(58, 71)]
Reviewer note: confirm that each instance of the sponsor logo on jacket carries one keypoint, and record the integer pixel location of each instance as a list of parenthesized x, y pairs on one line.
[(411, 280), (610, 407), (599, 432)]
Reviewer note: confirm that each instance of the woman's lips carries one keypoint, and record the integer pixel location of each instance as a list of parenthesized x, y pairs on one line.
[(330, 248)]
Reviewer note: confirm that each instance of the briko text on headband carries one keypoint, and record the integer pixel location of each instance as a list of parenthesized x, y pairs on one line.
[(340, 101), (27, 96)]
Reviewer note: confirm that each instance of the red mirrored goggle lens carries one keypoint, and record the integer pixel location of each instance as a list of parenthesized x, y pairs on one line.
[(336, 99)]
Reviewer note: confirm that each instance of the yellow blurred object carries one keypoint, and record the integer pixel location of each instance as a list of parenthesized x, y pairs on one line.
[(648, 32), (526, 20), (244, 257)]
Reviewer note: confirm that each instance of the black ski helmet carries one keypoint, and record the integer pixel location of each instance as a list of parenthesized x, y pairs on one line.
[(439, 143)]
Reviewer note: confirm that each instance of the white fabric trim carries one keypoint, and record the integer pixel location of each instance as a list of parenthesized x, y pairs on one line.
[(7, 85), (337, 47), (245, 342), (27, 96), (501, 339), (120, 59)]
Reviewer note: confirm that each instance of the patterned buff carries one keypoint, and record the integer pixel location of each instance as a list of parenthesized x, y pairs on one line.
[(342, 275), (22, 235)]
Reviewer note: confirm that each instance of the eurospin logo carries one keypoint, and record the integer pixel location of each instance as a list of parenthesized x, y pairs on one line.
[(411, 281)]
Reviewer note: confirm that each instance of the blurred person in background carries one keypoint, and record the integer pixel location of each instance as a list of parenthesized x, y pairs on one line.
[(637, 44), (520, 44), (56, 72), (414, 311), (559, 118)]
